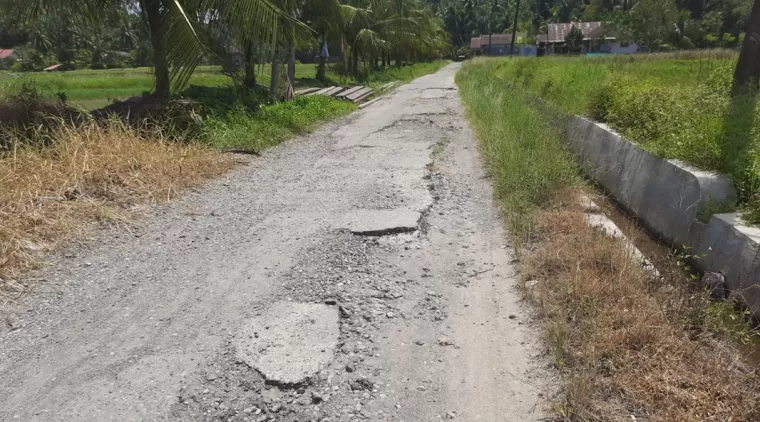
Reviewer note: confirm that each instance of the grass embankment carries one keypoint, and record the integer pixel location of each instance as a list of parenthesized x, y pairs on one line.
[(626, 345), (96, 173), (676, 106)]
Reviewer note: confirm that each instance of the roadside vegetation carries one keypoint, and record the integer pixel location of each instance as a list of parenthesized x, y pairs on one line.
[(678, 106), (627, 345)]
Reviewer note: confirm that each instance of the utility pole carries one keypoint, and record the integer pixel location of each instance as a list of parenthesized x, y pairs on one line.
[(490, 25), (748, 67), (514, 29)]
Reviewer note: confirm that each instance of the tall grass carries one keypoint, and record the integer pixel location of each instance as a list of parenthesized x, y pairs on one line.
[(678, 107), (625, 344), (523, 151)]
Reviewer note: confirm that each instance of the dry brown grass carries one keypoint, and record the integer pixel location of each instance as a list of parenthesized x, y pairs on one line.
[(619, 337), (90, 174)]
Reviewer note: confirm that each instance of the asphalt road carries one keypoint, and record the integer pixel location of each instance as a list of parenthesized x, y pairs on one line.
[(358, 273)]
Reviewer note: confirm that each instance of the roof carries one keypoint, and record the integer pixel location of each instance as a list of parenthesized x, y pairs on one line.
[(558, 31), (475, 43), (497, 39), (5, 53), (53, 67)]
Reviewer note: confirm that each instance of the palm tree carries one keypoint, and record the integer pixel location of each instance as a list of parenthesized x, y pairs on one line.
[(405, 29), (175, 27)]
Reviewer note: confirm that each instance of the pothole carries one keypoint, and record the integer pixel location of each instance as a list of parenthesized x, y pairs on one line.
[(381, 222), (290, 342)]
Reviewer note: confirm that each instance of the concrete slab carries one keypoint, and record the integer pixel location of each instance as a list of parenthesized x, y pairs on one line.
[(381, 222), (666, 195), (729, 247), (290, 342)]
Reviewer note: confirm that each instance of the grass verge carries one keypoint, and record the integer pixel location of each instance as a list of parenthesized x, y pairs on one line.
[(90, 174), (676, 106), (627, 346), (238, 129)]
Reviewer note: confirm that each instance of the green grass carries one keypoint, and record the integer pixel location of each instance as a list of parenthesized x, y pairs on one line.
[(238, 129), (97, 88), (524, 153), (676, 107)]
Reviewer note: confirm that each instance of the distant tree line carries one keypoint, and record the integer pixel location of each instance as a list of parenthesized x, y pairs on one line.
[(653, 24)]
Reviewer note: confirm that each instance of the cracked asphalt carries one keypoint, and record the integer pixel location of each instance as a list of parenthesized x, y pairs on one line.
[(386, 215)]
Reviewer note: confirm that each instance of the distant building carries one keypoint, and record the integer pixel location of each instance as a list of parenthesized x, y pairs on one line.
[(595, 39), (499, 45), (7, 53), (7, 57)]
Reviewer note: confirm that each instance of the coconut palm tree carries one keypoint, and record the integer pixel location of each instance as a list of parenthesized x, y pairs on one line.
[(176, 27), (404, 29)]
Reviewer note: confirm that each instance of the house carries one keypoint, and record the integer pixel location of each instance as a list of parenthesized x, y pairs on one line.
[(595, 39), (7, 57), (499, 45), (7, 53)]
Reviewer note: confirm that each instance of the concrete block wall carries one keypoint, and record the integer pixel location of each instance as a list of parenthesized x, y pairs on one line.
[(667, 197)]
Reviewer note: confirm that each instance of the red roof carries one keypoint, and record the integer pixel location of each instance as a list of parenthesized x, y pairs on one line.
[(591, 30), (5, 53), (475, 43)]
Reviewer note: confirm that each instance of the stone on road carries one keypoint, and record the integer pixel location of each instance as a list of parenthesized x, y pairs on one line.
[(290, 342), (214, 308)]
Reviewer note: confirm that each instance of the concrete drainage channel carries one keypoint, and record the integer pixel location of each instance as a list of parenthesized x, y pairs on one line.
[(667, 197)]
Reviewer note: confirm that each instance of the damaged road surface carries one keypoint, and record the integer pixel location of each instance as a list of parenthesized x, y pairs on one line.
[(358, 273)]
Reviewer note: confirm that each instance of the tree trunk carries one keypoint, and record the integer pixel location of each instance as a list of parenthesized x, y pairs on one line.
[(275, 74), (384, 59), (322, 65), (249, 80), (355, 62), (748, 67), (292, 61), (155, 19)]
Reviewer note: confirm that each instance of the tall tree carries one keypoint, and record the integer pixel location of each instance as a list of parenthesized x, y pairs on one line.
[(747, 71)]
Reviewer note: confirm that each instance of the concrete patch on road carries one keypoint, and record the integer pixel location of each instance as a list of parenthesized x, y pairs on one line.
[(381, 222), (290, 342), (433, 93)]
